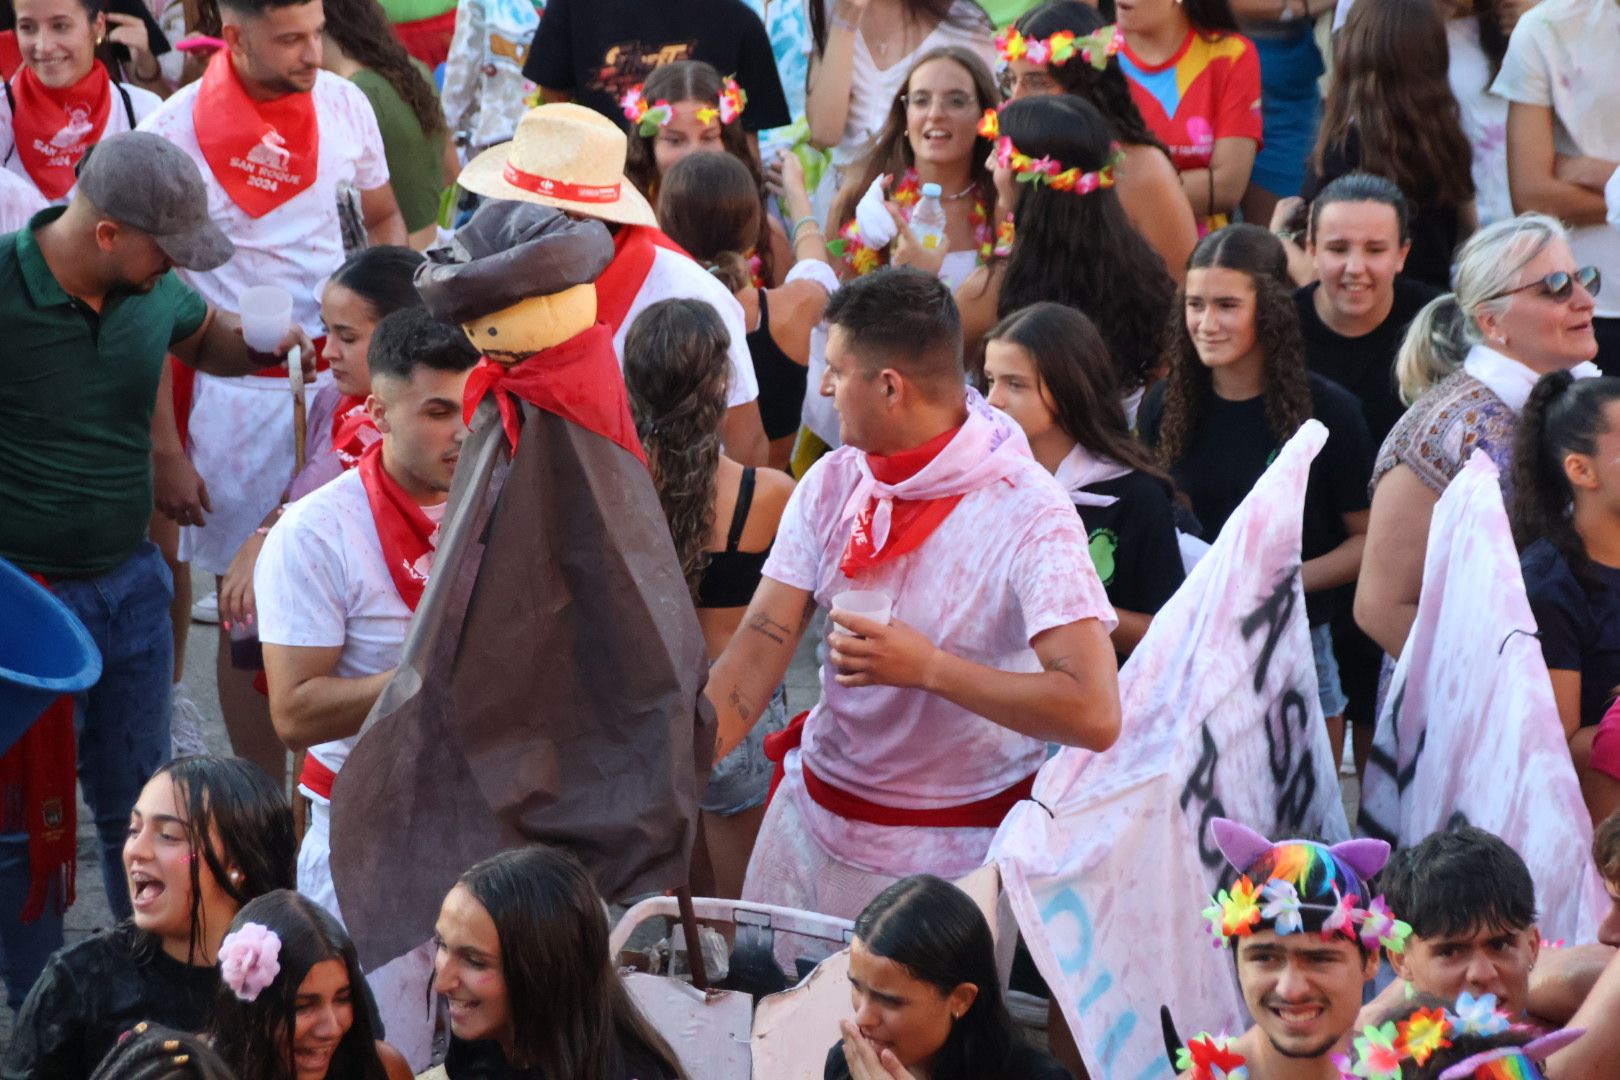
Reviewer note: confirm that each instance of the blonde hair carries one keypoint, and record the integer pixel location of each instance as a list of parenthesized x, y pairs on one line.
[(1448, 326)]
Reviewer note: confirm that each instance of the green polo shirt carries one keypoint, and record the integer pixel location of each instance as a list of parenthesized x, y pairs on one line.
[(76, 398)]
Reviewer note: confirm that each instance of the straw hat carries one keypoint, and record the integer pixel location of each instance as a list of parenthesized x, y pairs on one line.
[(563, 155)]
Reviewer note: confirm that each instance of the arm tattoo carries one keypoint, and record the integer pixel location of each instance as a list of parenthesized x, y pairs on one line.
[(764, 624), (740, 703)]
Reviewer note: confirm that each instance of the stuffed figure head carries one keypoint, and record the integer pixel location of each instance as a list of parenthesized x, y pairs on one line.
[(517, 278)]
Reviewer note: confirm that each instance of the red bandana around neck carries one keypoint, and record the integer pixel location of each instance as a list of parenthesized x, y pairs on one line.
[(353, 429), (261, 152), (408, 535), (578, 380), (634, 247), (52, 129), (913, 521)]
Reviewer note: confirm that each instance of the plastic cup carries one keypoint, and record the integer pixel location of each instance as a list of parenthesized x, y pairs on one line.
[(266, 312), (868, 602)]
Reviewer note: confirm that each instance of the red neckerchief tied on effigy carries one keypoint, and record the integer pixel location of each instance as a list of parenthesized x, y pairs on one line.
[(578, 380), (902, 498)]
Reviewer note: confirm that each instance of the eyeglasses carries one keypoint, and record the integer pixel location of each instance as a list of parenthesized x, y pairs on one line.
[(1558, 284), (1033, 82), (954, 102)]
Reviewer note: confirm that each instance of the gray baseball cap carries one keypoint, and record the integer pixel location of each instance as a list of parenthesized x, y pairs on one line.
[(146, 182)]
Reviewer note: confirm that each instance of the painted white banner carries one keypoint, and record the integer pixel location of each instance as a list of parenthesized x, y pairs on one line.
[(1109, 873), (1469, 729)]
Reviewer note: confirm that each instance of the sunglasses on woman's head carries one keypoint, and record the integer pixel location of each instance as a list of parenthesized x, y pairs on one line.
[(1558, 284)]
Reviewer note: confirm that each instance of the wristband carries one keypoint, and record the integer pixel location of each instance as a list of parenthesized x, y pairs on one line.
[(808, 219)]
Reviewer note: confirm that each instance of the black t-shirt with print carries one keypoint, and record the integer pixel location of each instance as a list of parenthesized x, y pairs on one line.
[(1231, 446), (1364, 365), (1133, 542), (1023, 1063), (599, 49), (1580, 625)]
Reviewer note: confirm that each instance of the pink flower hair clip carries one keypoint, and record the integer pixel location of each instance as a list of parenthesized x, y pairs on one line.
[(249, 960), (647, 118)]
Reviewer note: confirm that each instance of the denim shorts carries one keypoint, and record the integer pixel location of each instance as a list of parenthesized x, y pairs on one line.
[(1328, 690), (742, 779)]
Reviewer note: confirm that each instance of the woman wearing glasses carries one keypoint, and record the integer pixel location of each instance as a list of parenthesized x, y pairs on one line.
[(1521, 309), (930, 137)]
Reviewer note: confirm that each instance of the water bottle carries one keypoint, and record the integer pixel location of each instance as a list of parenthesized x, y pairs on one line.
[(928, 219)]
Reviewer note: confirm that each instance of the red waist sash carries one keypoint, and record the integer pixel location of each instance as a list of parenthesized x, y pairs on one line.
[(985, 813)]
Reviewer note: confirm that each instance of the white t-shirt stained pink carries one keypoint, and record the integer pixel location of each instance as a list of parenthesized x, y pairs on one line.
[(299, 244), (674, 276), (321, 582)]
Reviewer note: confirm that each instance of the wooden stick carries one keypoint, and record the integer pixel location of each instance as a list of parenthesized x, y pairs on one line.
[(295, 378), (694, 947)]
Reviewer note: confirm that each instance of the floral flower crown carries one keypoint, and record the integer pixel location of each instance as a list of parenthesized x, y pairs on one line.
[(1236, 914), (1378, 1051), (648, 118), (1047, 170), (249, 960), (1060, 48)]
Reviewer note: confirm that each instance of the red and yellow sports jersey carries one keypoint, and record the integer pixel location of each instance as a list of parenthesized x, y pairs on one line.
[(1210, 89)]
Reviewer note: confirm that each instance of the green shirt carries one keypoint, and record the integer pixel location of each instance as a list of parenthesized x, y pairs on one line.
[(415, 158), (76, 398)]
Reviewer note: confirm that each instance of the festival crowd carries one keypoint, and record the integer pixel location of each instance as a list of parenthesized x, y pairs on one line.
[(635, 349)]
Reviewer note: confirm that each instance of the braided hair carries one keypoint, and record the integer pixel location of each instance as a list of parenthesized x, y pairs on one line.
[(153, 1052)]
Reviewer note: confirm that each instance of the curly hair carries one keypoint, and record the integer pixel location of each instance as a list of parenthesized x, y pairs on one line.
[(361, 29), (890, 151), (1390, 91), (694, 80), (675, 368), (1107, 89), (256, 1037), (1251, 250), (1562, 416), (1081, 250)]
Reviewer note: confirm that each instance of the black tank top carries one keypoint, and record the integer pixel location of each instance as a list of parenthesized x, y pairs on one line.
[(781, 381), (732, 576)]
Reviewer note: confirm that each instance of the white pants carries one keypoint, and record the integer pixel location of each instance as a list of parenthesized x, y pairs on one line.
[(403, 987)]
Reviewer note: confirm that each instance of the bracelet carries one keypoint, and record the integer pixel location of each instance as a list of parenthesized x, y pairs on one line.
[(808, 219), (797, 237)]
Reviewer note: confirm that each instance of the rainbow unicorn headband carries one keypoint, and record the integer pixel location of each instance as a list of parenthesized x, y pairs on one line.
[(1047, 170), (1299, 878), (648, 118), (1060, 48), (1513, 1062)]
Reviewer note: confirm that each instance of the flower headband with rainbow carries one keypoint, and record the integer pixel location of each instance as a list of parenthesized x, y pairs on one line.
[(1380, 1050), (1060, 48), (1047, 170), (648, 118), (1301, 880)]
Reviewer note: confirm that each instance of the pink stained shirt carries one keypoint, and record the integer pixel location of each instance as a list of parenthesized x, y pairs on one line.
[(1009, 562)]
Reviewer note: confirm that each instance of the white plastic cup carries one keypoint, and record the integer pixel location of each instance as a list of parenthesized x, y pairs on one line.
[(266, 312), (868, 602)]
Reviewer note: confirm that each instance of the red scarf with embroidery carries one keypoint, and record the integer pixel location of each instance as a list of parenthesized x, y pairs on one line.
[(353, 430), (578, 380), (37, 781), (408, 535), (634, 247), (52, 129), (261, 152), (912, 521)]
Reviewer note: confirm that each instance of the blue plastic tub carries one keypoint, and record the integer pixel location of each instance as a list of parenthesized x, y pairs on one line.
[(44, 651)]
